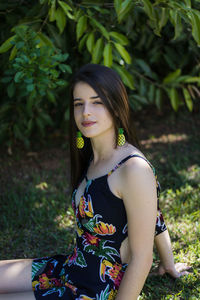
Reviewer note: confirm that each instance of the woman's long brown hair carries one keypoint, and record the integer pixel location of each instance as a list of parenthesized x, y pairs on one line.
[(109, 87)]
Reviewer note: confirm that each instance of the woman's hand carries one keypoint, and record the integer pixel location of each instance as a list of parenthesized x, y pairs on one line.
[(178, 270)]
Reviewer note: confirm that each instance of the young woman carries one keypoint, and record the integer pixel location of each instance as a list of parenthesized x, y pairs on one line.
[(114, 200)]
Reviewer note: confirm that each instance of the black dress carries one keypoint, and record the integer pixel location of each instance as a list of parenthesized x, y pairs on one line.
[(94, 270)]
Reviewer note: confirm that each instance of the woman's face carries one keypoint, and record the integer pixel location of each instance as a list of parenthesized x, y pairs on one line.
[(91, 115)]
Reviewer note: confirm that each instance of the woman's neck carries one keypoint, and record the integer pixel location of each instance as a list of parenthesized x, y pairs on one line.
[(103, 147)]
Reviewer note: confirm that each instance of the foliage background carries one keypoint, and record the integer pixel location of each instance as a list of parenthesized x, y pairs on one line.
[(153, 45)]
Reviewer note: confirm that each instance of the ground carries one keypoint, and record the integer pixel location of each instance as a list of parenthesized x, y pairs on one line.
[(35, 200)]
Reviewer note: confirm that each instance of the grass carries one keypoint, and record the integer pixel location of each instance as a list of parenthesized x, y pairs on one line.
[(37, 220)]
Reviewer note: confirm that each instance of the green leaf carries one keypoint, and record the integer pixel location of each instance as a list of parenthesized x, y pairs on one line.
[(195, 20), (159, 99), (65, 6), (163, 18), (124, 9), (30, 87), (144, 66), (188, 3), (6, 79), (46, 118), (11, 89), (67, 9), (96, 24), (81, 27), (65, 68), (142, 87), (61, 82), (176, 21), (51, 96), (45, 39), (52, 11), (13, 53), (30, 103), (77, 14), (98, 51), (107, 55), (174, 98), (119, 37), (82, 42), (67, 115), (124, 54), (151, 93), (30, 126), (7, 44), (148, 8), (17, 132), (192, 80), (5, 109), (117, 4), (171, 77), (60, 19), (18, 76), (40, 125), (141, 99), (188, 99), (126, 77), (90, 42)]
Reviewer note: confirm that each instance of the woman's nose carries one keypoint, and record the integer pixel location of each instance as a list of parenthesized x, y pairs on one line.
[(86, 110)]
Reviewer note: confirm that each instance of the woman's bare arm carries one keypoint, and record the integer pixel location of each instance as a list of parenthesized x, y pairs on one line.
[(167, 265), (138, 191)]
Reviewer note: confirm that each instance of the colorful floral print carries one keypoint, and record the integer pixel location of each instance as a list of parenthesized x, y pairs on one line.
[(84, 297), (76, 258), (114, 271), (85, 207), (104, 229), (97, 246)]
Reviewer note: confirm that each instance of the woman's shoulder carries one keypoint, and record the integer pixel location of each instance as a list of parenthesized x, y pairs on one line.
[(134, 159), (136, 175), (134, 170)]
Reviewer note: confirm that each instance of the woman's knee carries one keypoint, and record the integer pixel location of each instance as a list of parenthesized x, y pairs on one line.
[(15, 275)]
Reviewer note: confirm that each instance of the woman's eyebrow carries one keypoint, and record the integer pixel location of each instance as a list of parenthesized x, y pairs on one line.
[(93, 97)]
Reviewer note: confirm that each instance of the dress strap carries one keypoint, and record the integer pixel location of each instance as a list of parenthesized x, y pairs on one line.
[(127, 158)]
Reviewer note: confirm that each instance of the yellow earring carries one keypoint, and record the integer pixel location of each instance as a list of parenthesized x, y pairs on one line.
[(121, 138), (79, 140)]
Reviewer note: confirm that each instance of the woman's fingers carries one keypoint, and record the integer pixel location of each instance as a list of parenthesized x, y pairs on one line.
[(182, 267), (179, 270)]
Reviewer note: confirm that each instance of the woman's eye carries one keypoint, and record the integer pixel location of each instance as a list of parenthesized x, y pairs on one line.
[(98, 102), (77, 104)]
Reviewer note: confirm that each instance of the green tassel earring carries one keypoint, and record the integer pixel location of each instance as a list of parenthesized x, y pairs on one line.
[(79, 140), (121, 138)]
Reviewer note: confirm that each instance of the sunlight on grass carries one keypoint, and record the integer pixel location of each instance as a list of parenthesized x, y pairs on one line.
[(165, 139), (66, 220), (42, 186)]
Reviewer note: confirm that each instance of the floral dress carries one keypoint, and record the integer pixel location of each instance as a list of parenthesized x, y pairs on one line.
[(94, 270)]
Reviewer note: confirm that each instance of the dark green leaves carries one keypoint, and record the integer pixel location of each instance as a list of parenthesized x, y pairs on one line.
[(98, 25), (174, 98), (122, 8), (127, 78), (98, 51), (81, 26), (123, 52), (107, 54), (7, 44), (119, 38)]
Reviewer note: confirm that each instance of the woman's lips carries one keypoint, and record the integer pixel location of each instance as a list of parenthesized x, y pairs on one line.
[(88, 123)]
